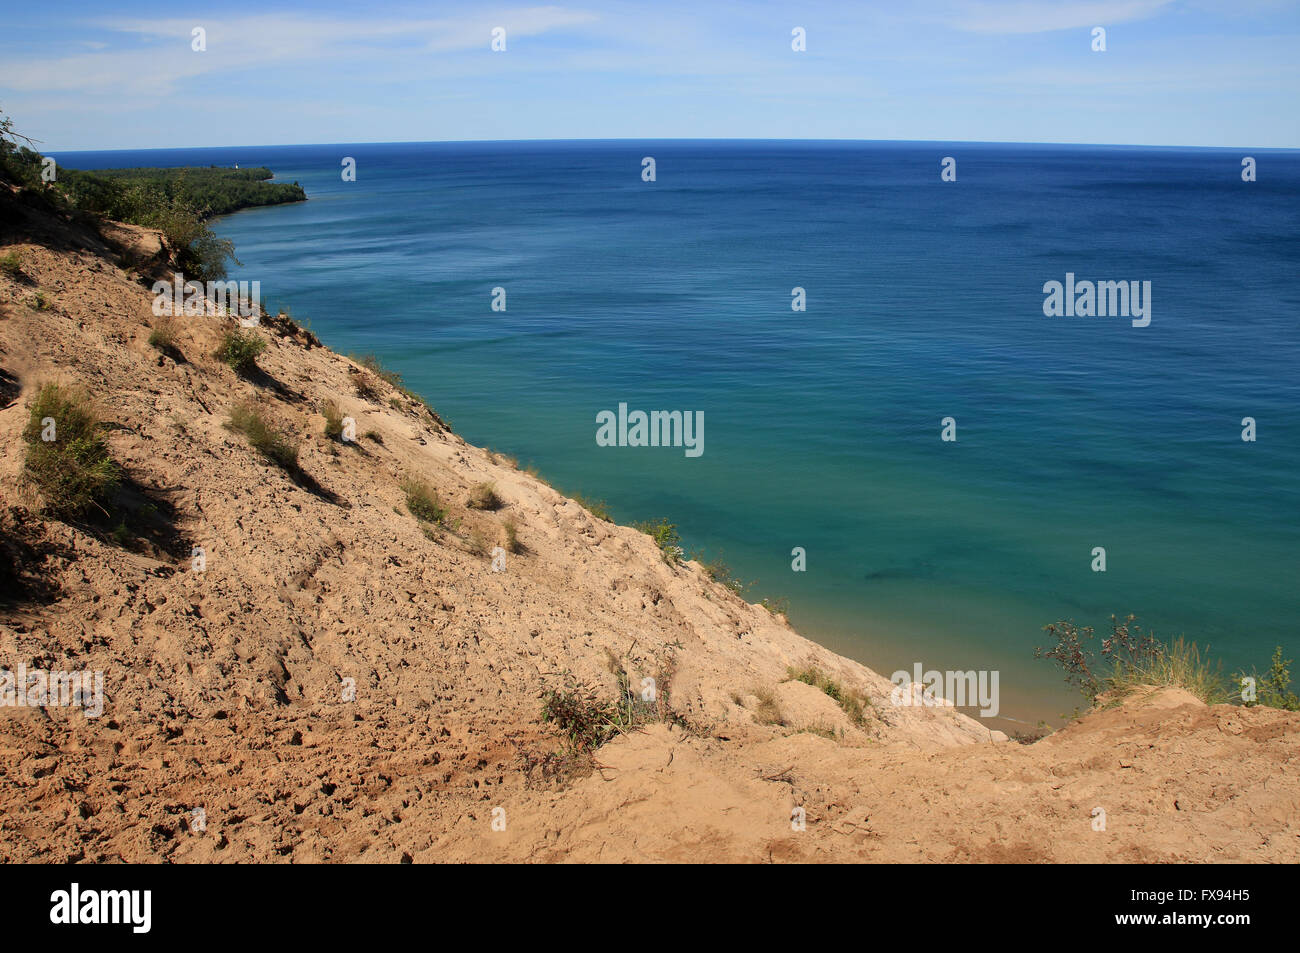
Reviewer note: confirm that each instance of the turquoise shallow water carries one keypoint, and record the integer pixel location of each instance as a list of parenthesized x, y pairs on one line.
[(822, 428)]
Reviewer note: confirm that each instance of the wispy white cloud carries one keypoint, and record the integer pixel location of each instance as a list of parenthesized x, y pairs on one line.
[(1045, 16)]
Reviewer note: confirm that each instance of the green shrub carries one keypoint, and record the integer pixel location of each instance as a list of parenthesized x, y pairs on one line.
[(1129, 658), (718, 571), (665, 537), (422, 500), (12, 265), (276, 446), (1273, 689), (73, 471), (240, 350)]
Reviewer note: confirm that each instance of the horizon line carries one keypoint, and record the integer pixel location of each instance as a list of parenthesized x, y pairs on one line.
[(699, 139)]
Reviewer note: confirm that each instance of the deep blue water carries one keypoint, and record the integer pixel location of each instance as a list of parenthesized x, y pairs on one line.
[(822, 428)]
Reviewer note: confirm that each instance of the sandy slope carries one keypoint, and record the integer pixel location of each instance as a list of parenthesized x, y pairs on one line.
[(226, 688)]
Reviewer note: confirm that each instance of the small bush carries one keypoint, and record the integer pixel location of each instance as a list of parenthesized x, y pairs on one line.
[(240, 350), (1130, 657), (364, 384), (484, 497), (422, 501), (1274, 688), (585, 722), (263, 436), (777, 605), (40, 302), (163, 335), (74, 471), (665, 537), (12, 266), (718, 571)]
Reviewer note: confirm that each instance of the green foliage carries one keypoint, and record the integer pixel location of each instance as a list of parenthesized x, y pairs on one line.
[(665, 537), (1273, 689), (277, 447), (1129, 658), (777, 605), (240, 350), (176, 201), (11, 265), (73, 472), (718, 570), (422, 501)]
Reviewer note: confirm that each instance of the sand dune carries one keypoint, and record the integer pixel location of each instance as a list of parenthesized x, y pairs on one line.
[(344, 683)]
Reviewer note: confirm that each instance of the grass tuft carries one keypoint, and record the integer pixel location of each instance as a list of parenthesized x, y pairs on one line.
[(273, 444), (422, 501), (484, 497), (67, 458), (854, 704)]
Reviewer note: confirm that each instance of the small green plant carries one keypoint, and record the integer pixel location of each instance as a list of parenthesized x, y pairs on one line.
[(718, 571), (263, 436), (422, 502), (11, 265), (40, 302), (67, 458), (665, 537), (484, 497), (1273, 689), (240, 350), (123, 536), (586, 722), (777, 605)]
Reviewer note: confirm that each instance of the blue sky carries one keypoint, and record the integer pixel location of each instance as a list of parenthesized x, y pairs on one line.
[(88, 75)]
